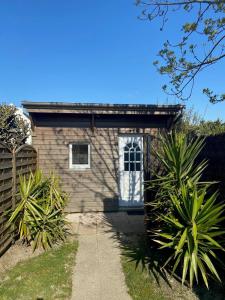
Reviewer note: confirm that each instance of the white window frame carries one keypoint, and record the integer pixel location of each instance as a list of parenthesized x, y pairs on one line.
[(79, 166)]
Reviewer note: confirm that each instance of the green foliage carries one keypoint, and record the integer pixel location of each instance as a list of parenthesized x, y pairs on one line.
[(193, 232), (14, 130), (200, 45), (186, 215), (177, 157), (193, 125), (144, 275), (39, 218), (212, 96)]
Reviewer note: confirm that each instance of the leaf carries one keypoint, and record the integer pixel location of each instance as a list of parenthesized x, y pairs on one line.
[(185, 267), (181, 242), (203, 272), (210, 265), (211, 240), (194, 231)]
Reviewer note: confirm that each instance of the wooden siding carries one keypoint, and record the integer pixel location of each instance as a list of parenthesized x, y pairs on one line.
[(94, 189)]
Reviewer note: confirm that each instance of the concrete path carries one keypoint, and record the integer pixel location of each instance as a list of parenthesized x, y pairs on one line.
[(98, 273)]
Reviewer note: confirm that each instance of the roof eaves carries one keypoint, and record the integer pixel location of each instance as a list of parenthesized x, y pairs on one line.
[(99, 106)]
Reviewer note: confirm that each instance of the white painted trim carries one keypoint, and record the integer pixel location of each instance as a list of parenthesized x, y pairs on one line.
[(132, 202), (81, 166)]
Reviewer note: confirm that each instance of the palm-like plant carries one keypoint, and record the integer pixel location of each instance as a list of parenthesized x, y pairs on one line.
[(186, 217), (193, 232), (39, 217), (48, 228), (177, 156)]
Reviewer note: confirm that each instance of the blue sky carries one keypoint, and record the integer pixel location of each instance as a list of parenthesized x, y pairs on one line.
[(89, 51)]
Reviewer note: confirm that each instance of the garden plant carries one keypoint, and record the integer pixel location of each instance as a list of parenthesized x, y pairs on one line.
[(186, 213), (39, 217)]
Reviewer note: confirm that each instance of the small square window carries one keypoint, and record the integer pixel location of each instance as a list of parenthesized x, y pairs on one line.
[(79, 156)]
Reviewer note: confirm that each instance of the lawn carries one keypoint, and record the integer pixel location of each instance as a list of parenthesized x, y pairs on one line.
[(45, 277), (138, 282), (144, 279)]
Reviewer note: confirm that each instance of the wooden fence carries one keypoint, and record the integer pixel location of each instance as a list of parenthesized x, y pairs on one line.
[(12, 164), (214, 152)]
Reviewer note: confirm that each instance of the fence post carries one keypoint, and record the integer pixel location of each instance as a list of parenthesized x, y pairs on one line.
[(13, 190), (13, 178)]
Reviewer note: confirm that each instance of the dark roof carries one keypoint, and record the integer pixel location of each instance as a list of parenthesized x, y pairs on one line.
[(58, 107)]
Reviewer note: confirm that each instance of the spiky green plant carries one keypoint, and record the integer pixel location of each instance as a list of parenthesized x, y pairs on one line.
[(39, 218), (186, 217), (193, 232), (177, 156)]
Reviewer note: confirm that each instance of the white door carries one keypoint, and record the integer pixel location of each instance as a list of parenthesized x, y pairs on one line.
[(131, 170)]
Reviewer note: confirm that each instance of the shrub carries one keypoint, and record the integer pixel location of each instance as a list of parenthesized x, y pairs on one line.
[(39, 218), (193, 232), (186, 216), (177, 156)]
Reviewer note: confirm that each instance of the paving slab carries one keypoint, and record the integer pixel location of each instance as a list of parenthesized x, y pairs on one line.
[(98, 272)]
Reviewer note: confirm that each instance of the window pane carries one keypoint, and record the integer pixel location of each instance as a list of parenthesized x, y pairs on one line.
[(138, 156), (131, 156), (126, 156), (132, 165), (138, 167), (126, 167), (80, 154)]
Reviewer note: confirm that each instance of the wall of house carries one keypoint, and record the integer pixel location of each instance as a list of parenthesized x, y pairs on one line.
[(95, 189)]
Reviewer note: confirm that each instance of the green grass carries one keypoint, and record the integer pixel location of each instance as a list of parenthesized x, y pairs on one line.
[(45, 277), (146, 280), (140, 285), (144, 277)]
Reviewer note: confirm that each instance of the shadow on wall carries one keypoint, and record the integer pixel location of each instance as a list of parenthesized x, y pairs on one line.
[(89, 188), (93, 189)]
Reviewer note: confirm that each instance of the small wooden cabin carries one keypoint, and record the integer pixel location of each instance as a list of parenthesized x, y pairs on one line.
[(100, 151)]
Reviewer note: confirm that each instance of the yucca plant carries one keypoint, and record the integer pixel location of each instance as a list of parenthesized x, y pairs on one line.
[(193, 233), (48, 228), (177, 156), (186, 216), (39, 217)]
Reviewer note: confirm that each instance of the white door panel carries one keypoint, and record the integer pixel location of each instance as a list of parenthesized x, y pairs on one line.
[(131, 170)]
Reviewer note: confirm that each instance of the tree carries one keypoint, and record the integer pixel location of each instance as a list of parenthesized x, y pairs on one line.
[(202, 42), (14, 130), (192, 124)]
